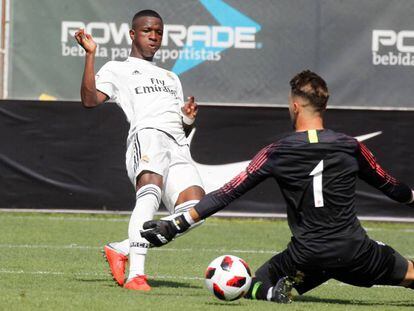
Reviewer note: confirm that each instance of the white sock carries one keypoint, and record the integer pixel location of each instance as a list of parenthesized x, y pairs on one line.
[(122, 247), (183, 208), (269, 294), (147, 203)]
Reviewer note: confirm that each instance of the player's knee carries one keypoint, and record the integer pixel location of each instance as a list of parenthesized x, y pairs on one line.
[(147, 178), (192, 193)]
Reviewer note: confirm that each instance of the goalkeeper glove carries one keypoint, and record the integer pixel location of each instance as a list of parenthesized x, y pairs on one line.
[(161, 232)]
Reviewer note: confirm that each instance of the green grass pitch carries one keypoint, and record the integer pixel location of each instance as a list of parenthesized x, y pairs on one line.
[(54, 262)]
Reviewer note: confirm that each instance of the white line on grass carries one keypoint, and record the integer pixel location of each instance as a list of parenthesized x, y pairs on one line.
[(5, 271), (385, 229), (163, 249), (79, 219), (70, 246), (125, 220), (229, 214), (61, 218)]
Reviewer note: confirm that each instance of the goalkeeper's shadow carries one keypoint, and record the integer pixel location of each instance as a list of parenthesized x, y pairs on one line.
[(400, 303)]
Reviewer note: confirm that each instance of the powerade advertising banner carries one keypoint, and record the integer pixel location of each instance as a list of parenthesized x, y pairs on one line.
[(60, 155), (226, 51)]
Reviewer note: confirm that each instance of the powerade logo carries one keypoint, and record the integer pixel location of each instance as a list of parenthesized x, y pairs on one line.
[(188, 46), (392, 48), (199, 43)]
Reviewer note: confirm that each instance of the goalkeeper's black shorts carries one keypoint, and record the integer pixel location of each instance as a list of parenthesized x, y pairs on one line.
[(379, 264)]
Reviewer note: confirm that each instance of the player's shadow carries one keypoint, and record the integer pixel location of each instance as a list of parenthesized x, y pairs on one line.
[(89, 280), (226, 304), (401, 303), (154, 283), (165, 283)]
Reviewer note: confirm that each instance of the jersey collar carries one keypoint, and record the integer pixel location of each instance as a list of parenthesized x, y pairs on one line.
[(139, 61)]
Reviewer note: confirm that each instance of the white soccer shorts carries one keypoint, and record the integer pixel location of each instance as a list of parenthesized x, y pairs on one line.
[(153, 150)]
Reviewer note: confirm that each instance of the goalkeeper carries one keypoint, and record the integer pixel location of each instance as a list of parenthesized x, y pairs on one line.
[(316, 170)]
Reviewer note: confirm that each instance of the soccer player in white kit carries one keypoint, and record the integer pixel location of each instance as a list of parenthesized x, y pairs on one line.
[(158, 159)]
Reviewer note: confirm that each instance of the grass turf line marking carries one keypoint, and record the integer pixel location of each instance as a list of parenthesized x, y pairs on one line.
[(83, 247), (75, 246), (386, 229), (61, 218), (5, 271), (126, 220), (218, 215), (80, 219)]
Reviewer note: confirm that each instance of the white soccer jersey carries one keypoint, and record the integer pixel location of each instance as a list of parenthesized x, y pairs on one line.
[(151, 97)]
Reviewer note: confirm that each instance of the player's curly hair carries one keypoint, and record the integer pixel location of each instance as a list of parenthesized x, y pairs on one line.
[(311, 87), (142, 13)]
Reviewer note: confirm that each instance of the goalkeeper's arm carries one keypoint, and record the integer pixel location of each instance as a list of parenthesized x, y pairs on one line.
[(371, 172), (161, 232)]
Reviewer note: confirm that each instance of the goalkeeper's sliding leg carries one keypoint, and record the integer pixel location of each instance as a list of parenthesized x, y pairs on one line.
[(275, 279)]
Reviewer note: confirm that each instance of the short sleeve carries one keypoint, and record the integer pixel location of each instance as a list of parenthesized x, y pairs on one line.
[(106, 81)]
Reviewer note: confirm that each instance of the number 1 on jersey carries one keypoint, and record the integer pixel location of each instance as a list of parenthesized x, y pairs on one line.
[(317, 184)]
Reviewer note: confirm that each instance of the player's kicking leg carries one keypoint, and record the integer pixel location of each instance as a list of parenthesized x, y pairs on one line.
[(183, 185), (148, 199), (187, 199), (116, 253), (117, 259), (182, 189), (147, 175)]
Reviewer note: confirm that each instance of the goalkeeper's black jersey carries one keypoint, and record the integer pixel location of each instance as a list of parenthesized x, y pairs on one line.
[(316, 172)]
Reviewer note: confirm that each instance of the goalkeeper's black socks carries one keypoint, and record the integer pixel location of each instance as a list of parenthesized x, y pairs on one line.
[(280, 293), (257, 290)]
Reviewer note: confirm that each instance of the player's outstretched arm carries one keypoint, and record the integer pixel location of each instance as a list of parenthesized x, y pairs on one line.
[(372, 173), (161, 232), (90, 97)]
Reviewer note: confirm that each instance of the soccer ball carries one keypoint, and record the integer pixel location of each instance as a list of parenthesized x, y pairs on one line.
[(228, 277)]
